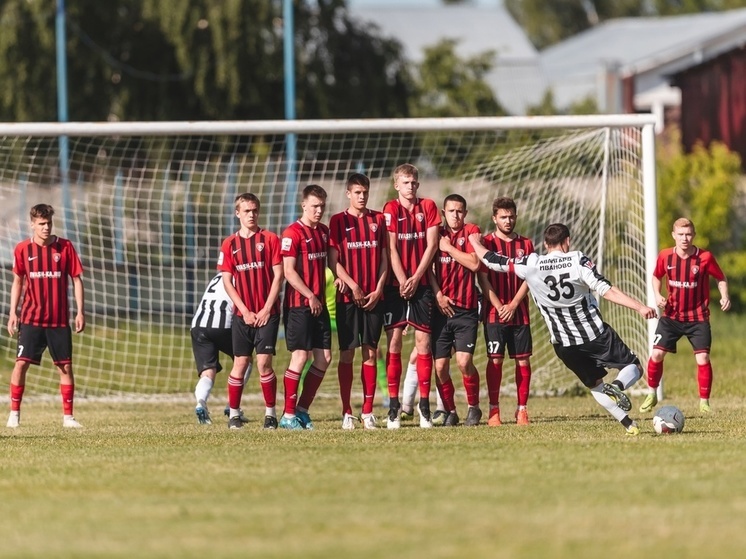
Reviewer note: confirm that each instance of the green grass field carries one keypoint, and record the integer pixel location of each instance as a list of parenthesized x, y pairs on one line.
[(145, 480)]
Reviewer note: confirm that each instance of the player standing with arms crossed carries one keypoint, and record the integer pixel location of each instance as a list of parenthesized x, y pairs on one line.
[(412, 225), (456, 321), (43, 263), (506, 316), (561, 283), (251, 259), (358, 254), (308, 331), (686, 310)]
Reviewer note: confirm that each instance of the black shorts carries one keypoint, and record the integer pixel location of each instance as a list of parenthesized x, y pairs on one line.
[(305, 331), (356, 327), (246, 339), (207, 343), (33, 340), (457, 332), (670, 331), (590, 360), (517, 338), (417, 311)]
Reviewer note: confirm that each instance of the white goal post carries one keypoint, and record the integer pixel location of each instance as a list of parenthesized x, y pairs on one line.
[(147, 204)]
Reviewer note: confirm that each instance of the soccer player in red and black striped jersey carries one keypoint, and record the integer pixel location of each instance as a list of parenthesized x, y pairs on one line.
[(250, 259), (412, 225), (505, 313), (43, 263), (358, 256), (686, 310), (308, 331), (456, 321)]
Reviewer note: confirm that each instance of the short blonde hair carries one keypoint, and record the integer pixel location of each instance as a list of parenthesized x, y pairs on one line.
[(406, 170), (683, 222)]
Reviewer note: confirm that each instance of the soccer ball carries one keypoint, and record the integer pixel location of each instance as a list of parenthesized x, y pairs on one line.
[(668, 419)]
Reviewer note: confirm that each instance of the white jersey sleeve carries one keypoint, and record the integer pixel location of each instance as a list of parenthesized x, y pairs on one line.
[(215, 309)]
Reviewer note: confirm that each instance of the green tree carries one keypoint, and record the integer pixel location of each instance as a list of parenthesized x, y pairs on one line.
[(195, 59), (446, 85)]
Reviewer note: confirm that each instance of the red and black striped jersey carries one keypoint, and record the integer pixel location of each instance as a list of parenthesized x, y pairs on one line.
[(456, 281), (46, 269), (506, 285), (308, 246), (410, 228), (688, 283), (361, 242), (251, 262)]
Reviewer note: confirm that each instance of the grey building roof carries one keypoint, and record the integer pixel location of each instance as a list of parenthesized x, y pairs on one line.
[(650, 48), (516, 78)]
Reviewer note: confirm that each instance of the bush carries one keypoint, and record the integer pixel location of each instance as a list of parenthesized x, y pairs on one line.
[(702, 186)]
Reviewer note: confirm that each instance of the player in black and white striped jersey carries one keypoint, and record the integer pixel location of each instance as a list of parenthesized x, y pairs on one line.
[(211, 334), (560, 283)]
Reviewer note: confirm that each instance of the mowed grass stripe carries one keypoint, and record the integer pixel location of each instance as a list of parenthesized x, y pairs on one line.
[(146, 480)]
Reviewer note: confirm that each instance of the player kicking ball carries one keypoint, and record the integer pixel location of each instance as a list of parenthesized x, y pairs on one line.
[(560, 283)]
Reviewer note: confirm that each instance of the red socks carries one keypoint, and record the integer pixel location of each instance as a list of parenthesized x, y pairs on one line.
[(368, 376), (291, 382), (311, 384), (704, 380), (16, 395), (393, 373), (235, 391), (494, 376), (655, 373), (522, 382), (471, 387), (269, 389), (344, 372), (424, 374)]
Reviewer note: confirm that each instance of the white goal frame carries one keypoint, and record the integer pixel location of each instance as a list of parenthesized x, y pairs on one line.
[(644, 122)]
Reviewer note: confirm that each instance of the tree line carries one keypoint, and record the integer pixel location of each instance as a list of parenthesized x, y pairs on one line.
[(222, 60)]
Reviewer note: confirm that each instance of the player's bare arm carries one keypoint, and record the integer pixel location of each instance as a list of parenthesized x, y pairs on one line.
[(476, 242), (488, 291), (79, 292), (445, 303), (262, 317), (724, 297), (372, 298), (15, 298), (426, 262), (396, 266), (507, 311), (293, 278), (468, 260), (616, 295), (491, 259), (660, 300), (248, 316), (345, 280)]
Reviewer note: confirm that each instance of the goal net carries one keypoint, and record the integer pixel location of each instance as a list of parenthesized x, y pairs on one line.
[(147, 205)]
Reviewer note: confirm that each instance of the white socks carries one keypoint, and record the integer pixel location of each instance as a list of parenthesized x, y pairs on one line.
[(629, 375), (607, 403), (409, 388), (203, 389)]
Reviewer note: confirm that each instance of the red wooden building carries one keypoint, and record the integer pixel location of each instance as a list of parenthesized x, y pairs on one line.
[(713, 102)]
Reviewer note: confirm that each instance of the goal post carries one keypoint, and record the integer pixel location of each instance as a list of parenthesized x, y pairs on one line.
[(147, 204)]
